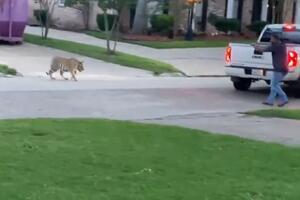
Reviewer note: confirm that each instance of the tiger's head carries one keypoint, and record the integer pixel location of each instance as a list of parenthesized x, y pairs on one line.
[(80, 66)]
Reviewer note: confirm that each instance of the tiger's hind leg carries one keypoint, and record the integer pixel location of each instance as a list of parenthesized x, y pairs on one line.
[(51, 71), (62, 74)]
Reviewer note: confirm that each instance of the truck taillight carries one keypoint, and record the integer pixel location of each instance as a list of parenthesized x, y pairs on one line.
[(292, 59), (289, 28), (228, 55)]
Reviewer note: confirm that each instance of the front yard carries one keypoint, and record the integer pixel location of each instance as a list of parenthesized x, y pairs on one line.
[(99, 159), (157, 67), (171, 44), (182, 44), (4, 69), (278, 113)]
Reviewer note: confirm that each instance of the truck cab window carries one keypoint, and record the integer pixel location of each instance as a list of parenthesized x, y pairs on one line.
[(287, 37)]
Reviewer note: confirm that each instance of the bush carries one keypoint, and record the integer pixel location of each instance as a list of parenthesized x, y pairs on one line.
[(41, 16), (226, 25), (162, 23), (4, 69), (257, 26), (213, 18), (101, 22)]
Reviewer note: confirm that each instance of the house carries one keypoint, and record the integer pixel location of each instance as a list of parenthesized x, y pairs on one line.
[(247, 12), (262, 10), (69, 18)]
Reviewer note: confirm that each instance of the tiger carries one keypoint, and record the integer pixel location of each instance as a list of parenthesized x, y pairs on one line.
[(71, 65)]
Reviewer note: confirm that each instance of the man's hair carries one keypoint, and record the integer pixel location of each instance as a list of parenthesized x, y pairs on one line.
[(276, 36)]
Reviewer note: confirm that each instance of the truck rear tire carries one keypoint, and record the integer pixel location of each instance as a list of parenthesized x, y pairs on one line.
[(295, 88), (241, 84)]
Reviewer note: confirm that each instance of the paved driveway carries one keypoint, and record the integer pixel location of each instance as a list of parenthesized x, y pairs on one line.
[(200, 103)]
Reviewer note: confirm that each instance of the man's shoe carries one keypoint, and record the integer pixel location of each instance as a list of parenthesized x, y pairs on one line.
[(268, 104), (283, 104)]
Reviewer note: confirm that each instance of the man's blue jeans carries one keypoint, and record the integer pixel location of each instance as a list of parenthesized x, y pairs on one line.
[(276, 90)]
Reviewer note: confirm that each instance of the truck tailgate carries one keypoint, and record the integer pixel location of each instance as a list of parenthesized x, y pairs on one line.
[(244, 55)]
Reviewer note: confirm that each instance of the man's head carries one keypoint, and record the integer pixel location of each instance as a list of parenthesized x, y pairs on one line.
[(275, 38)]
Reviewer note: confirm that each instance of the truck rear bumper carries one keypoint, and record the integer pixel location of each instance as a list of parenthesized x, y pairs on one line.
[(257, 73)]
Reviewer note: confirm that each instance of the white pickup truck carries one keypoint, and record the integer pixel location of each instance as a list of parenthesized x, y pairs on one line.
[(244, 65)]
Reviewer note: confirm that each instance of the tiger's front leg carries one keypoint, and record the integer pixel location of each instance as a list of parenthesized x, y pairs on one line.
[(73, 72)]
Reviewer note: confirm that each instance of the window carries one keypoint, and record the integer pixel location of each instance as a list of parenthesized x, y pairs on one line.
[(235, 9), (232, 9), (61, 3), (287, 37)]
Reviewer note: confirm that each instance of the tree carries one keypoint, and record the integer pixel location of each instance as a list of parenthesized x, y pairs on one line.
[(277, 10), (112, 35), (84, 6), (44, 15), (142, 16), (177, 6), (140, 19)]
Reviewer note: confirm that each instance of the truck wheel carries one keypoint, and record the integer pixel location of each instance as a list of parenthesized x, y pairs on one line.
[(295, 88), (241, 84)]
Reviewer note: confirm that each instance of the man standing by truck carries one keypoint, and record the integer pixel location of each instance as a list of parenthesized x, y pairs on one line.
[(279, 57)]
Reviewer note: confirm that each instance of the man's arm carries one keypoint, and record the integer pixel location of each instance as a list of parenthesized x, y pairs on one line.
[(263, 49)]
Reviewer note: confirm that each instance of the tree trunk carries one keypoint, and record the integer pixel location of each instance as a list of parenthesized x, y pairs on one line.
[(116, 37), (48, 7), (85, 9), (177, 7), (47, 25), (107, 32), (85, 13), (125, 20), (114, 34), (279, 11), (140, 19)]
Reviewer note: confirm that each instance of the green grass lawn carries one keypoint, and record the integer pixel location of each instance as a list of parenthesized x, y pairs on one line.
[(187, 44), (4, 69), (173, 43), (278, 113), (100, 53), (182, 44), (110, 160), (97, 34)]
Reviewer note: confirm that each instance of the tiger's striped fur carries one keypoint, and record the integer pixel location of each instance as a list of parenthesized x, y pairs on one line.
[(62, 65)]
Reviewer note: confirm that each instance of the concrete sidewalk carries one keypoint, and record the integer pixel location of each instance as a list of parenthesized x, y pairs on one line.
[(273, 130), (193, 62), (34, 61)]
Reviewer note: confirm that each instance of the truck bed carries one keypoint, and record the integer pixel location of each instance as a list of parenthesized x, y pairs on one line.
[(247, 63), (244, 55)]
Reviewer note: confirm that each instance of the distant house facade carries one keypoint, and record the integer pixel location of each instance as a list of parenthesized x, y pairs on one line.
[(263, 10), (69, 18), (246, 11)]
